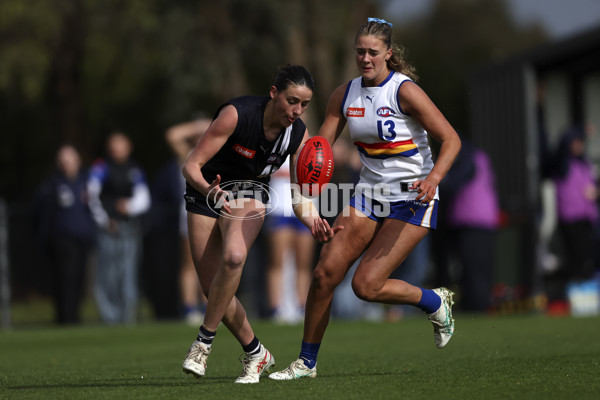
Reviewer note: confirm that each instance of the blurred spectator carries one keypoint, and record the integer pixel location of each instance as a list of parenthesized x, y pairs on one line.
[(576, 195), (182, 138), (161, 264), (66, 231), (119, 195), (288, 239), (547, 261), (472, 217), (463, 170)]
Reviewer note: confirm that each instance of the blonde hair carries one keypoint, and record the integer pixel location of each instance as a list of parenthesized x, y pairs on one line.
[(383, 31)]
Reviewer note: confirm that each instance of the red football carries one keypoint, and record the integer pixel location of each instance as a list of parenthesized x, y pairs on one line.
[(314, 166)]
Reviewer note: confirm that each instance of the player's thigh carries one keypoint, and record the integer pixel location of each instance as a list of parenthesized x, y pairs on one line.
[(392, 243), (240, 228), (348, 244), (205, 246)]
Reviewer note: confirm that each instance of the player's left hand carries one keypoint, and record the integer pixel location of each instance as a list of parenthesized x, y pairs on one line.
[(425, 189)]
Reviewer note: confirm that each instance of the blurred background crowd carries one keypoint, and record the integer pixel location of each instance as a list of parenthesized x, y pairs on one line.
[(102, 100)]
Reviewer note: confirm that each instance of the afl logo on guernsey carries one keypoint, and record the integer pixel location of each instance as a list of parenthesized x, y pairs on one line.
[(385, 112), (275, 158)]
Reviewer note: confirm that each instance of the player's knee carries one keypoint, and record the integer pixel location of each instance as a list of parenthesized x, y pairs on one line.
[(325, 278), (365, 290), (234, 259), (202, 288)]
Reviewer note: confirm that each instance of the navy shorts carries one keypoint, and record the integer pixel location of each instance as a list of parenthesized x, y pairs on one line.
[(197, 203), (410, 211)]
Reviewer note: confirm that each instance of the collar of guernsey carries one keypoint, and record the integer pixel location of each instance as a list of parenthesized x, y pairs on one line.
[(280, 147)]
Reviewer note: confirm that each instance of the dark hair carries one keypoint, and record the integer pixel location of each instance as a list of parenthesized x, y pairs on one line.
[(563, 151), (383, 31), (293, 75)]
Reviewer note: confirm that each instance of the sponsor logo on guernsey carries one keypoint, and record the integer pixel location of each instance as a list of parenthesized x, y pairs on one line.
[(385, 112), (355, 112), (241, 150)]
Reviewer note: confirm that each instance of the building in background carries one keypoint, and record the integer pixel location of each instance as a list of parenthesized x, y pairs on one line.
[(518, 109)]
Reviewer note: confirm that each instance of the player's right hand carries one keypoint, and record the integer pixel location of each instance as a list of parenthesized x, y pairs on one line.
[(218, 195), (322, 232)]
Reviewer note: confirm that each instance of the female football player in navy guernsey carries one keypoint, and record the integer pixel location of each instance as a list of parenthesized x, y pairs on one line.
[(227, 177), (395, 202)]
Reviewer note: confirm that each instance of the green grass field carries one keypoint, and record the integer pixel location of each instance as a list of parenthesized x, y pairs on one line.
[(489, 358)]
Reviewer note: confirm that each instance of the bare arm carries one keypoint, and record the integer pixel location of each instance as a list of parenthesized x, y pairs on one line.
[(415, 102), (182, 137), (334, 122), (212, 141), (304, 208), (330, 129)]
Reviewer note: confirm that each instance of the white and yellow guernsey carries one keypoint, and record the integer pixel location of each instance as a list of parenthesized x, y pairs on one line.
[(393, 146)]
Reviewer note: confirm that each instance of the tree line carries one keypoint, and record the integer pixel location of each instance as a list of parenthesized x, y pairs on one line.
[(74, 70)]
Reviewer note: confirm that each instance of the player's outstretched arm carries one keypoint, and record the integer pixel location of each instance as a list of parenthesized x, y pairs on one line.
[(304, 208), (306, 212)]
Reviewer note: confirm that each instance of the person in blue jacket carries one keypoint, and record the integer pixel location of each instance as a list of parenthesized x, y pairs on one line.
[(66, 231)]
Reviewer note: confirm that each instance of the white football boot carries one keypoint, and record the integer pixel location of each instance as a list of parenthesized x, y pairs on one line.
[(195, 360), (442, 320), (254, 366), (296, 370)]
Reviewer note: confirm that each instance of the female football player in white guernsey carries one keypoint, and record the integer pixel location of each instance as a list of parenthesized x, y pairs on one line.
[(226, 196), (395, 202)]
